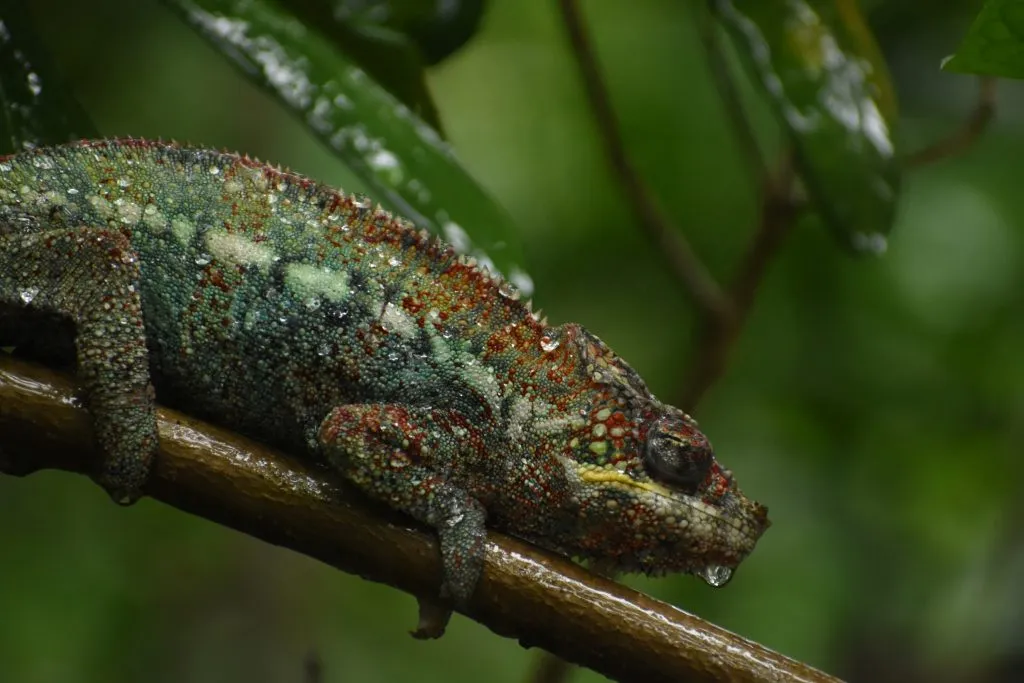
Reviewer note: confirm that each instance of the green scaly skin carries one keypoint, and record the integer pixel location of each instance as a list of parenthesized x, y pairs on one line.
[(309, 319)]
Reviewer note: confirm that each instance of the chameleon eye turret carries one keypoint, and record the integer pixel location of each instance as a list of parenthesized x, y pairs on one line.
[(677, 453)]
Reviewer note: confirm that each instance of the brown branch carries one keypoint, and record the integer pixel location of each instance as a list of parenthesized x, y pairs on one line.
[(964, 137), (541, 599), (665, 237), (718, 336)]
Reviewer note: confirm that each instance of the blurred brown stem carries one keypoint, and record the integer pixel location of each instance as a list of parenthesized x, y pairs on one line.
[(541, 599), (966, 135), (718, 336), (665, 237)]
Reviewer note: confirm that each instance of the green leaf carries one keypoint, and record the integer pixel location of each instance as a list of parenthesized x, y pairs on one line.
[(994, 45), (36, 108), (437, 28), (822, 71), (383, 51), (407, 166)]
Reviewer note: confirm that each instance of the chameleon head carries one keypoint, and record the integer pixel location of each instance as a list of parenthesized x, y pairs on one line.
[(652, 496), (668, 506)]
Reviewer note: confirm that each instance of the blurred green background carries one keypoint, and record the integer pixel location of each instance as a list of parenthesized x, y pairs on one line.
[(875, 405)]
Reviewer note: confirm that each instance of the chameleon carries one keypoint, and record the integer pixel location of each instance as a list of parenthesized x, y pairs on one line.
[(312, 320)]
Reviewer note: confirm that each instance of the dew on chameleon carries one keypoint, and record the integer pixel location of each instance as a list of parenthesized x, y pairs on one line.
[(716, 575), (27, 295), (549, 343), (508, 290)]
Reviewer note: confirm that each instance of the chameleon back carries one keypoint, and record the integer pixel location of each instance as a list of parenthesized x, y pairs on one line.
[(268, 299)]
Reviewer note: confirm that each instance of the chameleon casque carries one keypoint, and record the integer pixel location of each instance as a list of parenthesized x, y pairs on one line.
[(307, 318)]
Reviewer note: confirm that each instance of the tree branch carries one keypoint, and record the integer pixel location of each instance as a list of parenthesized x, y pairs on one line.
[(718, 336), (964, 137), (665, 237), (541, 599)]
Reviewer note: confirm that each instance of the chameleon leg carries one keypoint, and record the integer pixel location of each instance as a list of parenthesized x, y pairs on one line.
[(91, 276), (403, 456)]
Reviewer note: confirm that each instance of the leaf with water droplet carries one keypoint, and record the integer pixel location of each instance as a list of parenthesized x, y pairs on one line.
[(37, 107), (994, 45), (403, 161), (393, 41), (824, 75)]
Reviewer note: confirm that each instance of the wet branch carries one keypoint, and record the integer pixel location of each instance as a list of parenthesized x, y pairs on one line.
[(541, 599), (665, 237)]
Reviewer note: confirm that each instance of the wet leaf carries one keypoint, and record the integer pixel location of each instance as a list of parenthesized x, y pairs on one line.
[(822, 71), (994, 45), (36, 108), (437, 28), (393, 40), (385, 53), (402, 160)]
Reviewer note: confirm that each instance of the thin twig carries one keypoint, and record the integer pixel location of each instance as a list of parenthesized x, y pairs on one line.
[(666, 238), (966, 135), (746, 139), (542, 599), (718, 336)]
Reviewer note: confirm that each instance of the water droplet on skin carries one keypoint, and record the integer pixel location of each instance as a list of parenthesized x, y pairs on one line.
[(203, 259), (549, 343), (716, 575), (28, 294), (508, 290)]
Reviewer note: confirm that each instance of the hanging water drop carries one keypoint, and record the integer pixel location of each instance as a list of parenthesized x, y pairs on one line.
[(716, 575), (548, 343), (508, 290), (28, 294)]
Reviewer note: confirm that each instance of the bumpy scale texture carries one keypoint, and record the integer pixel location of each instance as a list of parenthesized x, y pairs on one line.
[(310, 319)]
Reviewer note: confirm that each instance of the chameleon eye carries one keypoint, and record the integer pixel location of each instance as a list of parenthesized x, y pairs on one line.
[(677, 453)]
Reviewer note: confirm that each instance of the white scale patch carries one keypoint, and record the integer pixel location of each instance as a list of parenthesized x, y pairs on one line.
[(519, 415), (231, 248), (129, 212), (524, 412), (555, 425), (183, 230), (474, 373), (154, 219), (395, 319), (308, 281), (101, 206)]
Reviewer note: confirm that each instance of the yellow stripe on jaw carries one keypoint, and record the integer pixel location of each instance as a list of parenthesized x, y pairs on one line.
[(591, 476)]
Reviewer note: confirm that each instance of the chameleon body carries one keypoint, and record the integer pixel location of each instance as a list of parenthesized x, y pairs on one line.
[(312, 320)]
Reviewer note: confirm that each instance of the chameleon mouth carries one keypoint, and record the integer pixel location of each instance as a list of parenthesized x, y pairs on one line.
[(591, 476), (594, 476)]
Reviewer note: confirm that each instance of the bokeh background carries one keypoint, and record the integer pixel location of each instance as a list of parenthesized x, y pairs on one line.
[(876, 405)]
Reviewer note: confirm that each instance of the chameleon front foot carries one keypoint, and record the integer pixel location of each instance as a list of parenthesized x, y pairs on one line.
[(406, 457)]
